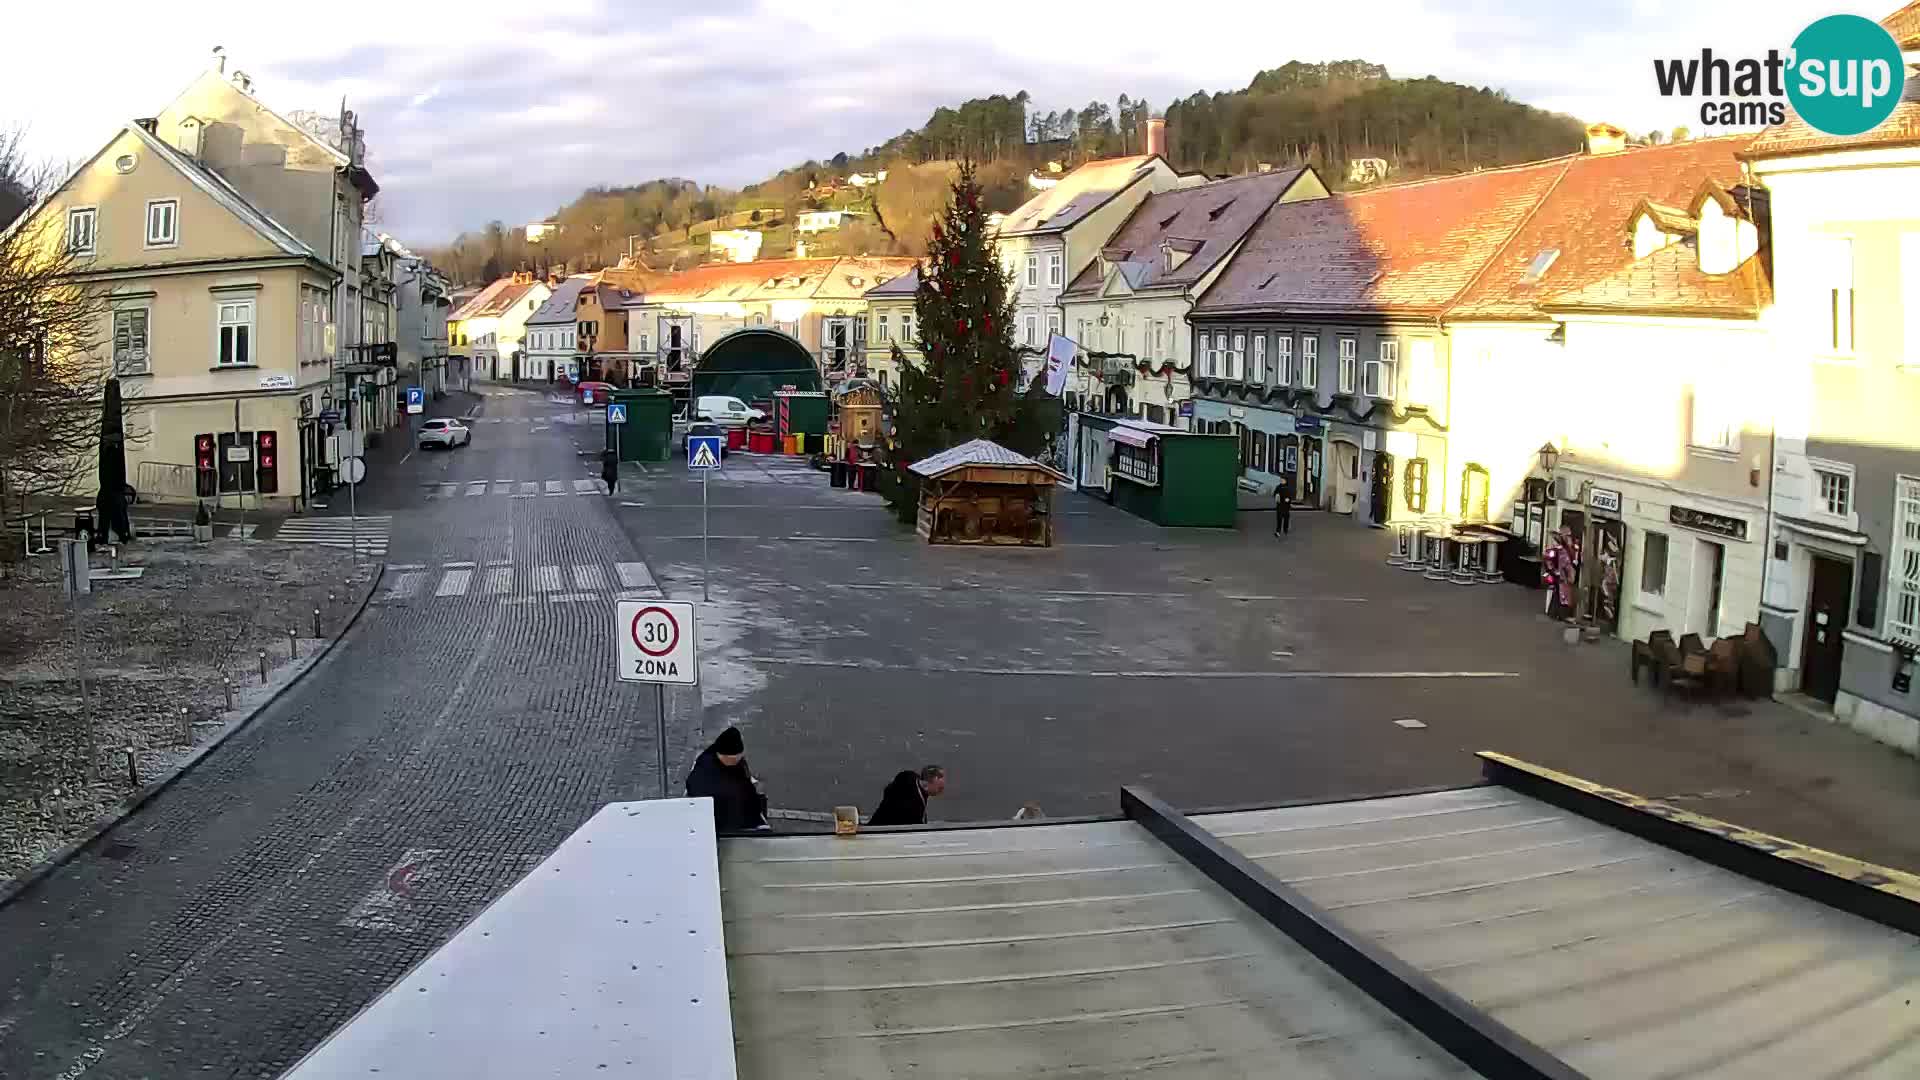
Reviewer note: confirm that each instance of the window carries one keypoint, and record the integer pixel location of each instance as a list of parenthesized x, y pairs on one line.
[(1053, 324), (1381, 374), (645, 345), (1259, 447), (882, 330), (1032, 328), (882, 375), (1310, 362), (130, 342), (1283, 359), (1833, 262), (1237, 358), (1713, 426), (1349, 364), (1416, 486), (1903, 571), (313, 319), (1033, 269), (1475, 489), (1417, 386), (80, 229), (236, 333), (1258, 371), (1653, 565), (1835, 495), (1055, 264), (1213, 344), (906, 329), (163, 223), (1137, 463)]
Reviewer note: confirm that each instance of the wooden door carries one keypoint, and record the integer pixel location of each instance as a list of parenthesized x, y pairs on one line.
[(1827, 601)]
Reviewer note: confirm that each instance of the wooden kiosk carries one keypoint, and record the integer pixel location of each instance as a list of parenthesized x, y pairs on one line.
[(859, 407), (983, 493)]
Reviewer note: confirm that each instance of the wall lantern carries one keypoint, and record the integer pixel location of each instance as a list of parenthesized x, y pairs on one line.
[(1549, 457)]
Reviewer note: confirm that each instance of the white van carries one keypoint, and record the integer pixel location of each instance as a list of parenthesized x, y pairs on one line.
[(728, 412)]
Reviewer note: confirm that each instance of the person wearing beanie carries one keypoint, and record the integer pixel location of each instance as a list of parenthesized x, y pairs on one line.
[(721, 773)]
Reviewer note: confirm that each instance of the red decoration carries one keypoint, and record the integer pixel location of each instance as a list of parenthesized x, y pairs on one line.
[(988, 322), (1003, 378)]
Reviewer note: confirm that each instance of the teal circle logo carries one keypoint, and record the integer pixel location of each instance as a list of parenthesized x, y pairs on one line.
[(1847, 75)]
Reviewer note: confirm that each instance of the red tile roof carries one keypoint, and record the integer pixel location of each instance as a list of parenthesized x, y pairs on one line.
[(1902, 128), (496, 299), (1076, 195), (1407, 248), (1205, 221), (1585, 217), (1670, 282), (843, 278)]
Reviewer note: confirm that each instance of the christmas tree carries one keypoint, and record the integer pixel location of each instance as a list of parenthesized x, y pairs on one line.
[(962, 380)]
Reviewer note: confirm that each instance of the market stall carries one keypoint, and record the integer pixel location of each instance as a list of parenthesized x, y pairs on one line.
[(1172, 477), (983, 493)]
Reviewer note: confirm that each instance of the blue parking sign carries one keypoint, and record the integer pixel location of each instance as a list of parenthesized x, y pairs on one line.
[(703, 451), (616, 414), (416, 399)]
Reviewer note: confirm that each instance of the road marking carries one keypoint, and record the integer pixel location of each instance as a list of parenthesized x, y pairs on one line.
[(634, 575), (572, 597), (408, 454), (500, 580), (553, 488), (477, 487), (447, 491), (404, 585), (530, 487), (825, 539), (928, 669), (546, 579), (589, 577), (407, 566), (586, 487), (454, 583)]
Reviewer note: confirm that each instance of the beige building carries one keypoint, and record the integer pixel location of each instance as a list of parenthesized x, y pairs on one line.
[(890, 323), (214, 317)]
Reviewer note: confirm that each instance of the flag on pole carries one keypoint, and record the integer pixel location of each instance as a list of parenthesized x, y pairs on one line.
[(1060, 350)]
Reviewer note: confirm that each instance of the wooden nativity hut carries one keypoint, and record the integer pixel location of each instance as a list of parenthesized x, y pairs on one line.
[(983, 493)]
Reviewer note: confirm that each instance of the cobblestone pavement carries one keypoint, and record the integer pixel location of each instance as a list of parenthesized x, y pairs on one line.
[(446, 744), (1214, 667)]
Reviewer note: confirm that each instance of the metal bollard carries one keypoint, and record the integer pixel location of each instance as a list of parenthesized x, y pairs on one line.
[(293, 644), (186, 727), (316, 622), (133, 767), (226, 685), (263, 666)]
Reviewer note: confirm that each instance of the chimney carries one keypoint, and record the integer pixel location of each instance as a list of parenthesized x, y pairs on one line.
[(1604, 138), (219, 60), (1157, 136), (190, 136), (243, 80)]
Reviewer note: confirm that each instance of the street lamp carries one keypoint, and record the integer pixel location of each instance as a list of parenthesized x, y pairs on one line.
[(1549, 457)]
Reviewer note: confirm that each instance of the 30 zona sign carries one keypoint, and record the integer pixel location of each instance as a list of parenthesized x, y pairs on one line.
[(656, 641)]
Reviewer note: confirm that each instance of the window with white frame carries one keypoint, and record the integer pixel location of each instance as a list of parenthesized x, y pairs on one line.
[(906, 329), (1237, 358), (1053, 324), (163, 223), (235, 330), (1033, 269), (1903, 571), (881, 330), (1714, 424), (1833, 489), (1257, 370), (1159, 329), (1283, 359), (1416, 386), (1653, 564), (1833, 265), (1212, 343), (1382, 374), (1310, 361), (1349, 364), (1032, 326), (130, 341), (80, 229), (1055, 266), (313, 324)]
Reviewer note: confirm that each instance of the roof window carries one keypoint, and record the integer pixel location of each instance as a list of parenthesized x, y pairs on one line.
[(1538, 268)]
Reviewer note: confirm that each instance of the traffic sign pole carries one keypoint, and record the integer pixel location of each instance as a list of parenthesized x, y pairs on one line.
[(706, 593), (660, 716)]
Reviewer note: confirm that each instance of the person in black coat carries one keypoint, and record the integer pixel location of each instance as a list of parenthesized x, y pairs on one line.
[(904, 802), (610, 472), (720, 773), (1282, 509)]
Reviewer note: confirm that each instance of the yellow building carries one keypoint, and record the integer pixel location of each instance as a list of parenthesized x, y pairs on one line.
[(890, 317), (213, 314)]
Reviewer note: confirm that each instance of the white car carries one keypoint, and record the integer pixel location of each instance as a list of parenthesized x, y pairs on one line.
[(728, 412), (447, 433)]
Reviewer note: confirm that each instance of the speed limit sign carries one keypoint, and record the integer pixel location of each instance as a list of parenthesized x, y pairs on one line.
[(656, 642)]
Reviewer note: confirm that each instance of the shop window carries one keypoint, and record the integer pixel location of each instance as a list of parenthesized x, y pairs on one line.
[(1416, 485), (1474, 485), (1137, 463), (1653, 565), (1259, 450)]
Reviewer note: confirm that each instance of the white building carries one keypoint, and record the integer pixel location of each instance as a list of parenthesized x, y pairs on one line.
[(735, 245), (819, 221), (552, 334), (540, 230)]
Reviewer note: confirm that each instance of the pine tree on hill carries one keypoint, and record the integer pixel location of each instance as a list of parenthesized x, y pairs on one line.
[(964, 380)]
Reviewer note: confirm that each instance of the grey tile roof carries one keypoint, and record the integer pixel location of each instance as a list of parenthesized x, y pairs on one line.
[(1207, 221), (907, 284), (559, 307), (977, 452), (1077, 194)]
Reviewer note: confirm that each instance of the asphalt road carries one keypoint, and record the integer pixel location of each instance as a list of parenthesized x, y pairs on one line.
[(471, 720)]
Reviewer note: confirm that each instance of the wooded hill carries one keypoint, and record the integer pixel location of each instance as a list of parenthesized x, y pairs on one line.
[(1324, 114)]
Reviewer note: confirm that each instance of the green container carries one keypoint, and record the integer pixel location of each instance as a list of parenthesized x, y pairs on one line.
[(648, 432), (805, 413)]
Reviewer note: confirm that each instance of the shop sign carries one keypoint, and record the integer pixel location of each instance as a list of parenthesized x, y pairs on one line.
[(1309, 424), (1606, 499), (1687, 517)]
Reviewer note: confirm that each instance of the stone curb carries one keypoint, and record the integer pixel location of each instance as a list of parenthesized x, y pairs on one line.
[(14, 888)]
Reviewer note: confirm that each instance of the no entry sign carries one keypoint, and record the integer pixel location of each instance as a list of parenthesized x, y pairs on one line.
[(656, 640)]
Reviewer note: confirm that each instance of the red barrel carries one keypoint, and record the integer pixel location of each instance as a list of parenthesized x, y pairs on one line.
[(736, 438)]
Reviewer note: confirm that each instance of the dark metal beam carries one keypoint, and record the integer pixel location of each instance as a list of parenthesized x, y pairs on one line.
[(1888, 897), (1477, 1039)]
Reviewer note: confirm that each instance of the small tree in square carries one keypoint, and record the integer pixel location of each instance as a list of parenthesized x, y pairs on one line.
[(962, 379)]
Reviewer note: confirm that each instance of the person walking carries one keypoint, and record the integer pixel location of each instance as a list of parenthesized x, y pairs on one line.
[(904, 802), (1282, 510), (610, 471), (721, 773)]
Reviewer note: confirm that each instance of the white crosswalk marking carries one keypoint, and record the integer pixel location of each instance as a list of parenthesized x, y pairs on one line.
[(477, 487), (633, 575), (447, 491), (530, 487), (554, 488), (499, 580), (338, 532), (589, 577), (586, 487), (454, 583), (404, 585), (546, 578)]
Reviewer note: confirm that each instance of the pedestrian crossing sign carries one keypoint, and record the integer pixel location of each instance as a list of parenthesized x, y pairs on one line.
[(703, 451), (616, 414)]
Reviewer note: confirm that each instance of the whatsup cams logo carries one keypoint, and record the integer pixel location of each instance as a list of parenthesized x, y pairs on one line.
[(1843, 76)]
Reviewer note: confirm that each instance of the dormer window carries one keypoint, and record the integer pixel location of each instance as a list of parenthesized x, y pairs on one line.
[(1214, 214), (1538, 268)]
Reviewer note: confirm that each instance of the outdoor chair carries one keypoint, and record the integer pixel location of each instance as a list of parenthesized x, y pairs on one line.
[(1651, 654), (1723, 666)]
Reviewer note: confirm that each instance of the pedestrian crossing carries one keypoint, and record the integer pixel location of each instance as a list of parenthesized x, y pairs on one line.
[(517, 489), (338, 532), (592, 417), (548, 583)]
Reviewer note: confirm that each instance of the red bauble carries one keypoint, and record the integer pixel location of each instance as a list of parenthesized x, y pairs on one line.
[(987, 321), (1003, 378), (953, 258)]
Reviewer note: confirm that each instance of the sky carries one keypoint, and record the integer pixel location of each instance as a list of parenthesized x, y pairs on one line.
[(488, 110)]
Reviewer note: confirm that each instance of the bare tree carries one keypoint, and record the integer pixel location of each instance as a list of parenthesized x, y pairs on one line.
[(53, 367)]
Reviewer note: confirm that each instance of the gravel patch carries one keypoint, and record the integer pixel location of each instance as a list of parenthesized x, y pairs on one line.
[(79, 689)]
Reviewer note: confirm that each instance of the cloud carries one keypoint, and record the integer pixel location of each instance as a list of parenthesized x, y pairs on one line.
[(491, 109)]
